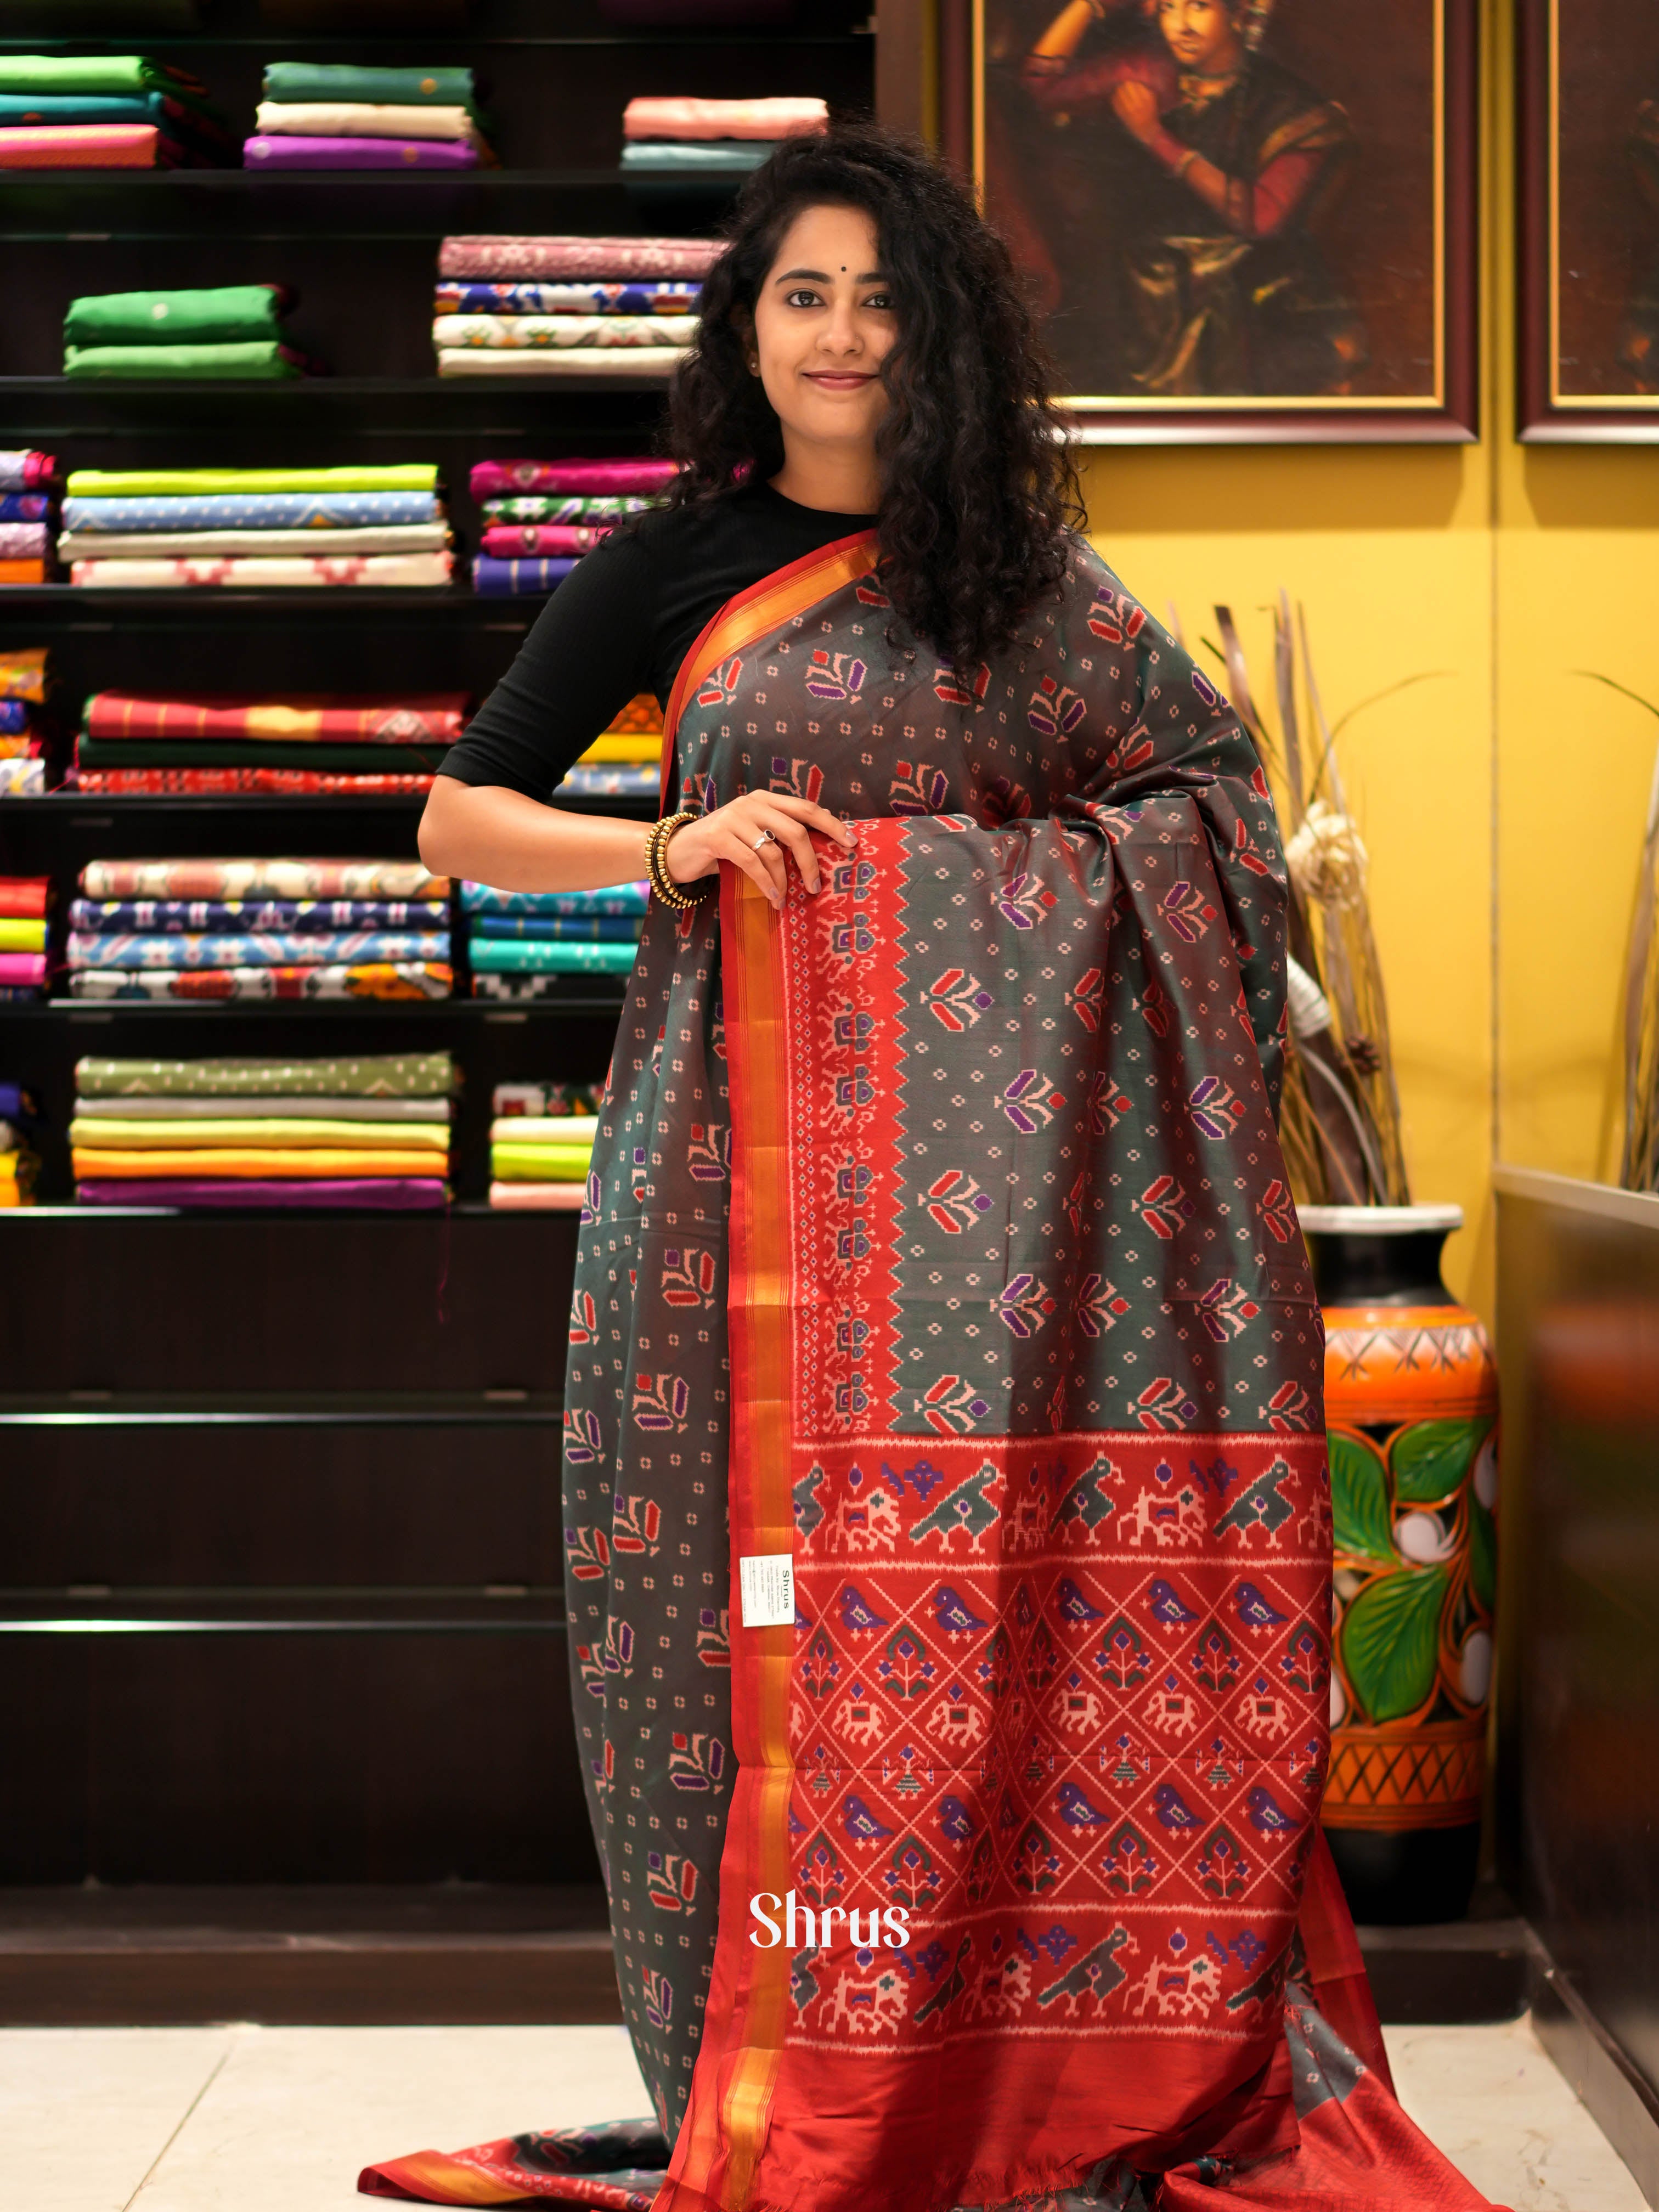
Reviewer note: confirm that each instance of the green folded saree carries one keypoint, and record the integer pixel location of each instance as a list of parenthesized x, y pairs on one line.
[(222, 314), (428, 88), (540, 1163), (255, 358), (96, 73), (364, 1075), (163, 483)]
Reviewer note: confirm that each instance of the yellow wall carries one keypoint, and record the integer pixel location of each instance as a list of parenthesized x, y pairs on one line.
[(1502, 803)]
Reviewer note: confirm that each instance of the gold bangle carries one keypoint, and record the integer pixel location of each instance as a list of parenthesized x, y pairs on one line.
[(662, 883)]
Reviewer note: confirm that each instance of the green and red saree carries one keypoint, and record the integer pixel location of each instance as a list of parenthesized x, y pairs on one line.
[(938, 1246)]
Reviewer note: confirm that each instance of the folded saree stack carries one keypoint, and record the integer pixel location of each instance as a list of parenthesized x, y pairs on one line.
[(691, 138), (211, 930), (329, 115), (568, 306), (28, 499), (157, 529), (22, 693), (541, 1144), (370, 1130), (20, 1164), (23, 903), (227, 333), (540, 517), (349, 747), (107, 112), (625, 761), (523, 944)]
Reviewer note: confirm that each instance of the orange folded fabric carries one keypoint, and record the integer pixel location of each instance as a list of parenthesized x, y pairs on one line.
[(306, 1163)]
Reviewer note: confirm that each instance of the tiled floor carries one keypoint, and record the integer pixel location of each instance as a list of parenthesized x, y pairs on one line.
[(262, 2119)]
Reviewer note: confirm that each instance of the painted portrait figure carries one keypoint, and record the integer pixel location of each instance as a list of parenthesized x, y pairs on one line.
[(1162, 177)]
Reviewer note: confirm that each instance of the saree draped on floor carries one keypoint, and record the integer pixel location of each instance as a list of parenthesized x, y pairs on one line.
[(974, 1150)]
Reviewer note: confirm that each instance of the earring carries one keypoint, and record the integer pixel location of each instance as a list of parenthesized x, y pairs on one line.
[(754, 364)]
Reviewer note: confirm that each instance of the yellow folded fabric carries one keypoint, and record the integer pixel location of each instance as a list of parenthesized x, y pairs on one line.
[(540, 1163), (22, 936), (622, 746), (298, 1161), (100, 1131), (544, 1129)]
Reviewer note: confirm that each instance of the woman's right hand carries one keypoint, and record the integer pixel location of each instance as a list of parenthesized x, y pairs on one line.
[(732, 832)]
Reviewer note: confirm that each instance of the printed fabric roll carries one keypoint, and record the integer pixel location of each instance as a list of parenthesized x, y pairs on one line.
[(213, 752), (641, 299), (573, 511), (639, 364), (594, 928), (641, 477), (389, 1193), (335, 80), (334, 948), (248, 360), (516, 956), (249, 544), (434, 719), (564, 257), (213, 315), (203, 483), (89, 146), (355, 1075), (267, 152), (357, 118), (266, 1163), (406, 980), (685, 118), (525, 541), (513, 579), (261, 878), (254, 917), (619, 899), (563, 331), (24, 505), (284, 510), (96, 73), (221, 783), (22, 470), (413, 570), (107, 1131), (538, 1197), (22, 541)]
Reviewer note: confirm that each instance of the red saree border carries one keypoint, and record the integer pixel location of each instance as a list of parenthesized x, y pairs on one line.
[(777, 597)]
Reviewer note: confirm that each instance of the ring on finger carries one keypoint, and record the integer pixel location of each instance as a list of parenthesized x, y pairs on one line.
[(765, 838)]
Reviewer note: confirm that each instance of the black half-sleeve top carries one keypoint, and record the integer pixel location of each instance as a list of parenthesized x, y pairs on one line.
[(621, 622)]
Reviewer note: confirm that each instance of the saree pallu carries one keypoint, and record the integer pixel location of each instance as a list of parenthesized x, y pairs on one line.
[(406, 979), (293, 948), (214, 544), (620, 898), (282, 878), (610, 259), (286, 510), (518, 541), (414, 570), (197, 783), (239, 484), (643, 362), (283, 152), (493, 579), (636, 478), (975, 1151), (433, 719), (666, 299), (252, 917), (363, 1075), (561, 331), (381, 1194)]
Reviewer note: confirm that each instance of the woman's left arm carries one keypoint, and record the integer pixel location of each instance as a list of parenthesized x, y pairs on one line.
[(1256, 207)]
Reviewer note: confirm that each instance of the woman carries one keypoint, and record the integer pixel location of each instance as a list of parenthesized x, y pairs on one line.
[(1203, 175), (948, 1642)]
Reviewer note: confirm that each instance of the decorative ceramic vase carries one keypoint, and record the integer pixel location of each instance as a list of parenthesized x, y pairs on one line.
[(1411, 1409)]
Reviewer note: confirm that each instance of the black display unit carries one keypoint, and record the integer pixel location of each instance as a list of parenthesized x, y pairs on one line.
[(282, 1613)]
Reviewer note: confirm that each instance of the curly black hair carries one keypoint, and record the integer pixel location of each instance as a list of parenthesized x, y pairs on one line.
[(978, 485)]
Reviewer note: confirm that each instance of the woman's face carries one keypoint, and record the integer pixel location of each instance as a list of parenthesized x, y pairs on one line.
[(823, 324), (1203, 35)]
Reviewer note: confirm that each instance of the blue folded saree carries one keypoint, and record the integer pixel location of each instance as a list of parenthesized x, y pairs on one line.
[(266, 510)]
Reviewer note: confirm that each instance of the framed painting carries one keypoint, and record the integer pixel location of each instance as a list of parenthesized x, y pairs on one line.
[(1243, 220), (1588, 211)]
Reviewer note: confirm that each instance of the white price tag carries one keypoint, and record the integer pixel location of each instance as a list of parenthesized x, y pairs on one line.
[(768, 1582)]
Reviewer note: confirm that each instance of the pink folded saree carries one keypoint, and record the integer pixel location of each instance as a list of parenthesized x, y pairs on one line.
[(518, 258), (722, 118), (635, 475), (88, 146)]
